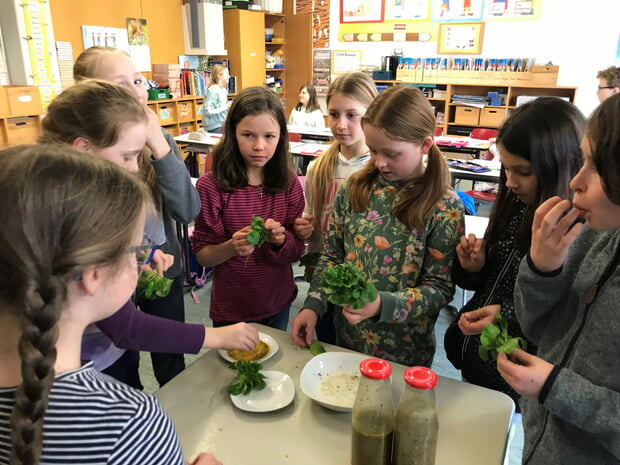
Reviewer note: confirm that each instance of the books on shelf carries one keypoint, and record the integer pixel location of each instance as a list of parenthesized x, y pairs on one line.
[(471, 100)]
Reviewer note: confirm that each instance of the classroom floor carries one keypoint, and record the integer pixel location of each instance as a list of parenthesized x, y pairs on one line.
[(198, 313)]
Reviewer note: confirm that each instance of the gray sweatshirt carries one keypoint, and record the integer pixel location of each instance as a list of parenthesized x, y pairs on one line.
[(181, 201), (576, 420)]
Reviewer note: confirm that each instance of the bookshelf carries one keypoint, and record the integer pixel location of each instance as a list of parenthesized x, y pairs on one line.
[(180, 115), (458, 120), (244, 35)]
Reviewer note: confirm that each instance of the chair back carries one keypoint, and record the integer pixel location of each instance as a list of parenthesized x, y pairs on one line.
[(483, 133)]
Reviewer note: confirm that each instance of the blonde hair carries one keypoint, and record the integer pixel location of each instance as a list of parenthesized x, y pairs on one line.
[(403, 113), (359, 87), (87, 66), (216, 73), (94, 110), (61, 212)]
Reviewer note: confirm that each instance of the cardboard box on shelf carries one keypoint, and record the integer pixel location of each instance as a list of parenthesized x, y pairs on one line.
[(467, 115), (23, 100), (491, 117)]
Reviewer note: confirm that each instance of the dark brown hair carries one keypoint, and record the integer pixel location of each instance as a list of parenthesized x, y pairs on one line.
[(229, 167), (546, 132), (603, 133), (313, 104)]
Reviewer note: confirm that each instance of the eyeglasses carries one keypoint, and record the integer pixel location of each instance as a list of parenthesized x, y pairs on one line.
[(605, 87), (145, 251)]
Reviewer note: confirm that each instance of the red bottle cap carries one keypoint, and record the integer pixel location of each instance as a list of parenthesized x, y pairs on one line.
[(420, 377), (375, 368)]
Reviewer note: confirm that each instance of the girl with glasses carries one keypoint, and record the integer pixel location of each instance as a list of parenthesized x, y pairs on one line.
[(58, 275)]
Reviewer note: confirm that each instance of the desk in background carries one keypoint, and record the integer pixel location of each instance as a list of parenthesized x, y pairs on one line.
[(488, 176), (321, 135), (195, 148), (303, 153), (473, 421), (462, 145)]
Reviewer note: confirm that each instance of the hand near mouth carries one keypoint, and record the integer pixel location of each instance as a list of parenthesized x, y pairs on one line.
[(554, 229)]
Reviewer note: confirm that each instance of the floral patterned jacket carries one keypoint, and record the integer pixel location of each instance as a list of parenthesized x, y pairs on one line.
[(410, 269)]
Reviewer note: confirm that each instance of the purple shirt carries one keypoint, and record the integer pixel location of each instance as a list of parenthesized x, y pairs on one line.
[(259, 285), (129, 328)]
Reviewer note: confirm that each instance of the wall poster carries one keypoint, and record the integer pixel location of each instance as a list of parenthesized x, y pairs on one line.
[(321, 70), (319, 9), (346, 61), (361, 11), (511, 9), (457, 10), (460, 38)]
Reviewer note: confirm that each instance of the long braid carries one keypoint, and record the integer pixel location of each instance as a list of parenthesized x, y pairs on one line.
[(37, 349), (62, 211)]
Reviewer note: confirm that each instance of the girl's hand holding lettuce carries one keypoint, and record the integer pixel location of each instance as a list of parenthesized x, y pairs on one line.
[(346, 285)]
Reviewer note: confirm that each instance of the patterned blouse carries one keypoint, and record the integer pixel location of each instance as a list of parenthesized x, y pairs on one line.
[(411, 269)]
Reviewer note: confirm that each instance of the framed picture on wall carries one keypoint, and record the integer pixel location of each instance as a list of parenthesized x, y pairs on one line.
[(460, 38), (361, 11)]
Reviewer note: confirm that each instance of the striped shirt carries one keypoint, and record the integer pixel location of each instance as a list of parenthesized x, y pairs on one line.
[(94, 419), (260, 285)]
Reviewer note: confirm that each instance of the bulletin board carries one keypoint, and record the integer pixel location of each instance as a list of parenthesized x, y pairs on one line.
[(460, 38), (418, 20)]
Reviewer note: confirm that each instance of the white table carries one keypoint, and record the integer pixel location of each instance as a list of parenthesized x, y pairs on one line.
[(473, 421), (324, 134)]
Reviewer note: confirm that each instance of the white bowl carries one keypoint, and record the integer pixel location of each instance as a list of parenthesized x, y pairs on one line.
[(331, 379)]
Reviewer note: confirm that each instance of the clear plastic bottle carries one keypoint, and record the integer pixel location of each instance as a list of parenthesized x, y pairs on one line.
[(372, 418), (416, 425)]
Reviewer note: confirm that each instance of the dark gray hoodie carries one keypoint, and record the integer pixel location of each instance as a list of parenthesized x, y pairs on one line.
[(576, 420)]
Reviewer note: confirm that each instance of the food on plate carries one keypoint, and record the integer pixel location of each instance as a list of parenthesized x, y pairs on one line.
[(258, 352), (247, 379)]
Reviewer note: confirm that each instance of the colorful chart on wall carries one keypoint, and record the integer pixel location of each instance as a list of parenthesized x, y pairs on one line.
[(495, 10), (457, 10), (320, 20), (417, 20), (361, 11)]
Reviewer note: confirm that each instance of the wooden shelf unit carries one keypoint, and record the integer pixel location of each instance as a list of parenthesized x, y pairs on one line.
[(244, 32), (20, 115), (179, 115), (458, 117)]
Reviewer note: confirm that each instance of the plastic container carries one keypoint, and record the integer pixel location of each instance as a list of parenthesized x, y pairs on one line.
[(372, 417), (415, 424), (268, 34)]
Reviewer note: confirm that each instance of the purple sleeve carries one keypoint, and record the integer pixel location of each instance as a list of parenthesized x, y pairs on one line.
[(129, 328)]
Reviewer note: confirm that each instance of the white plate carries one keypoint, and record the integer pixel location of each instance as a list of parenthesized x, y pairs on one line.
[(271, 342), (278, 393), (331, 379)]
